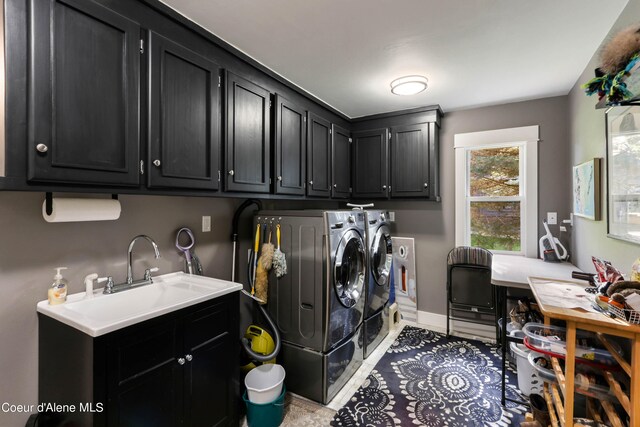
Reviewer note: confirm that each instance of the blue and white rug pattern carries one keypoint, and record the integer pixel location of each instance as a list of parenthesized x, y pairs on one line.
[(426, 380)]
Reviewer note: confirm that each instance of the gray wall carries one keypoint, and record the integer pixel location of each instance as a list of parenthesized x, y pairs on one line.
[(588, 140), (30, 248), (433, 225)]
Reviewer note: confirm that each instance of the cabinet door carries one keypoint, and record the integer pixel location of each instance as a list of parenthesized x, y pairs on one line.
[(145, 378), (83, 94), (319, 157), (291, 145), (211, 379), (341, 162), (410, 161), (371, 163), (184, 137), (247, 136)]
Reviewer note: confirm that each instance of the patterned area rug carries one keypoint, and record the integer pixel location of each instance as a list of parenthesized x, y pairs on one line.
[(426, 380)]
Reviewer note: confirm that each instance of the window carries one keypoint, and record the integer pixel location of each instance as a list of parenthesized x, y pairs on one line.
[(496, 190)]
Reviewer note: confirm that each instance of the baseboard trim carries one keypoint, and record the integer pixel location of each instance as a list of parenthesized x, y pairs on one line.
[(438, 323)]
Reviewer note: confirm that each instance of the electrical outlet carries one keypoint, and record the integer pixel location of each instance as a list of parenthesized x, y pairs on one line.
[(552, 218), (563, 228), (206, 224), (392, 216)]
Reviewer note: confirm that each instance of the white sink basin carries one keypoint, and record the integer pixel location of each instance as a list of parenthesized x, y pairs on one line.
[(106, 313)]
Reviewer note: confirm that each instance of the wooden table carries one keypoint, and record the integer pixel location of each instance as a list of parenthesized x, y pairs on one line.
[(512, 271), (595, 322)]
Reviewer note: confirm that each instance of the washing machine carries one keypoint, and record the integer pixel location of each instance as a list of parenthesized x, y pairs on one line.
[(379, 257), (318, 305)]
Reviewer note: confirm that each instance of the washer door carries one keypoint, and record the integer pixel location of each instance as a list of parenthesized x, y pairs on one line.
[(349, 269), (381, 256)]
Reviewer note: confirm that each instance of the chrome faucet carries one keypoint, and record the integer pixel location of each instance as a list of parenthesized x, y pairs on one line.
[(111, 288), (147, 275)]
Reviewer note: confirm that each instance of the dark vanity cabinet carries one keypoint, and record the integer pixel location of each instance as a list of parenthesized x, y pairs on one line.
[(318, 157), (290, 147), (184, 131), (341, 162), (247, 136), (83, 93), (371, 163), (177, 369)]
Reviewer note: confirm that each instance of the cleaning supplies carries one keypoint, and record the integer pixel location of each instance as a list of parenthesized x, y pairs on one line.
[(58, 290), (279, 259), (551, 250), (267, 250), (262, 273)]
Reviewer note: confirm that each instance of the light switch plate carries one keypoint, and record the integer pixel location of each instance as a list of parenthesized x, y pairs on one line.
[(552, 218), (206, 224)]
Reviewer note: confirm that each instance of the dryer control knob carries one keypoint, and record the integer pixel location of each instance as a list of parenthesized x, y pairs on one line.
[(351, 219)]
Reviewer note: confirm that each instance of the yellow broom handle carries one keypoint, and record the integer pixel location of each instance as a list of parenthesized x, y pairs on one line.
[(278, 235), (257, 243)]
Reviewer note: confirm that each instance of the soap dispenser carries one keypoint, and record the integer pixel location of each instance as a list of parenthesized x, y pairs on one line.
[(58, 290)]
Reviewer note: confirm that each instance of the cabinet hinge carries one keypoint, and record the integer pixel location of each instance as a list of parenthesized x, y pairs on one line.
[(141, 167), (219, 84), (330, 131), (305, 119), (389, 137), (269, 181), (218, 176), (269, 103), (141, 46), (350, 190)]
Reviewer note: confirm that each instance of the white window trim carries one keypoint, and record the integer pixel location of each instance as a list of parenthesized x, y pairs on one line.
[(527, 137)]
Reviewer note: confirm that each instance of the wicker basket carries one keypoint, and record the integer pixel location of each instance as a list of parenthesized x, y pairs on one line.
[(630, 316)]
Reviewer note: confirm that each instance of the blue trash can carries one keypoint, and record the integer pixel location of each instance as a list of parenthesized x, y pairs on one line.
[(265, 414)]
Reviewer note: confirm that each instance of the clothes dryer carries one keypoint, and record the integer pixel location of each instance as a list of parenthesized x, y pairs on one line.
[(318, 305), (379, 257)]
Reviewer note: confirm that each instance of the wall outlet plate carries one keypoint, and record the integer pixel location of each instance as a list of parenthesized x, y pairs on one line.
[(206, 224), (392, 216), (552, 218)]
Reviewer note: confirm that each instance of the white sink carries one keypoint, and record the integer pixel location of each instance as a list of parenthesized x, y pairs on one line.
[(106, 313)]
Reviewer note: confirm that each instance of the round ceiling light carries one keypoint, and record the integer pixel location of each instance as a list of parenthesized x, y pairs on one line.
[(409, 85)]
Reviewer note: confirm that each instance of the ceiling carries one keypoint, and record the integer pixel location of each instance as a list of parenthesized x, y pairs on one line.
[(474, 52)]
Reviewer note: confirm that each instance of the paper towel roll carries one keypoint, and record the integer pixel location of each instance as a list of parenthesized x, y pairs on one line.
[(76, 210)]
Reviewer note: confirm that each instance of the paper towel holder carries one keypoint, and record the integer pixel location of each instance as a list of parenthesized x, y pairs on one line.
[(48, 198)]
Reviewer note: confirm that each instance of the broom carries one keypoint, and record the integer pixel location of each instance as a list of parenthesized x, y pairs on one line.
[(266, 258), (262, 274), (279, 259)]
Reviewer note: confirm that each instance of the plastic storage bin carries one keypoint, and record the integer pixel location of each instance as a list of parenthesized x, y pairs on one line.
[(597, 391), (264, 383), (265, 414), (528, 381), (551, 340)]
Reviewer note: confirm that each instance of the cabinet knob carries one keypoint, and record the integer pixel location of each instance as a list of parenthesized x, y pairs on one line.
[(279, 178), (181, 361), (231, 172), (426, 185), (384, 187), (42, 148), (156, 162), (310, 182), (189, 357), (335, 185)]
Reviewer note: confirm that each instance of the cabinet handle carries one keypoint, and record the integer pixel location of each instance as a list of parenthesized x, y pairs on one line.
[(231, 172), (426, 185), (42, 148), (156, 162), (181, 361), (279, 178), (384, 187), (310, 182), (189, 357)]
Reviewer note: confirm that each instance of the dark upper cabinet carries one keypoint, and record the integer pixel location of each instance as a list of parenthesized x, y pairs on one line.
[(83, 115), (184, 135), (247, 136), (318, 157), (371, 163), (341, 162), (290, 147), (410, 154)]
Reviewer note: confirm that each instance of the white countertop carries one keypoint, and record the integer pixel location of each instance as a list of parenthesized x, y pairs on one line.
[(514, 271), (104, 313)]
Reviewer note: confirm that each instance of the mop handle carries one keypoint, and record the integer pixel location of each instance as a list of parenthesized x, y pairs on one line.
[(257, 242), (278, 235)]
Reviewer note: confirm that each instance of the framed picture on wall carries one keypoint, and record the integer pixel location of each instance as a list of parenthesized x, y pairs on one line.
[(586, 190), (623, 173)]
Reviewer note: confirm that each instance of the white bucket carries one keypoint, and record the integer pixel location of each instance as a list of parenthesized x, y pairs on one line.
[(528, 381), (264, 383)]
